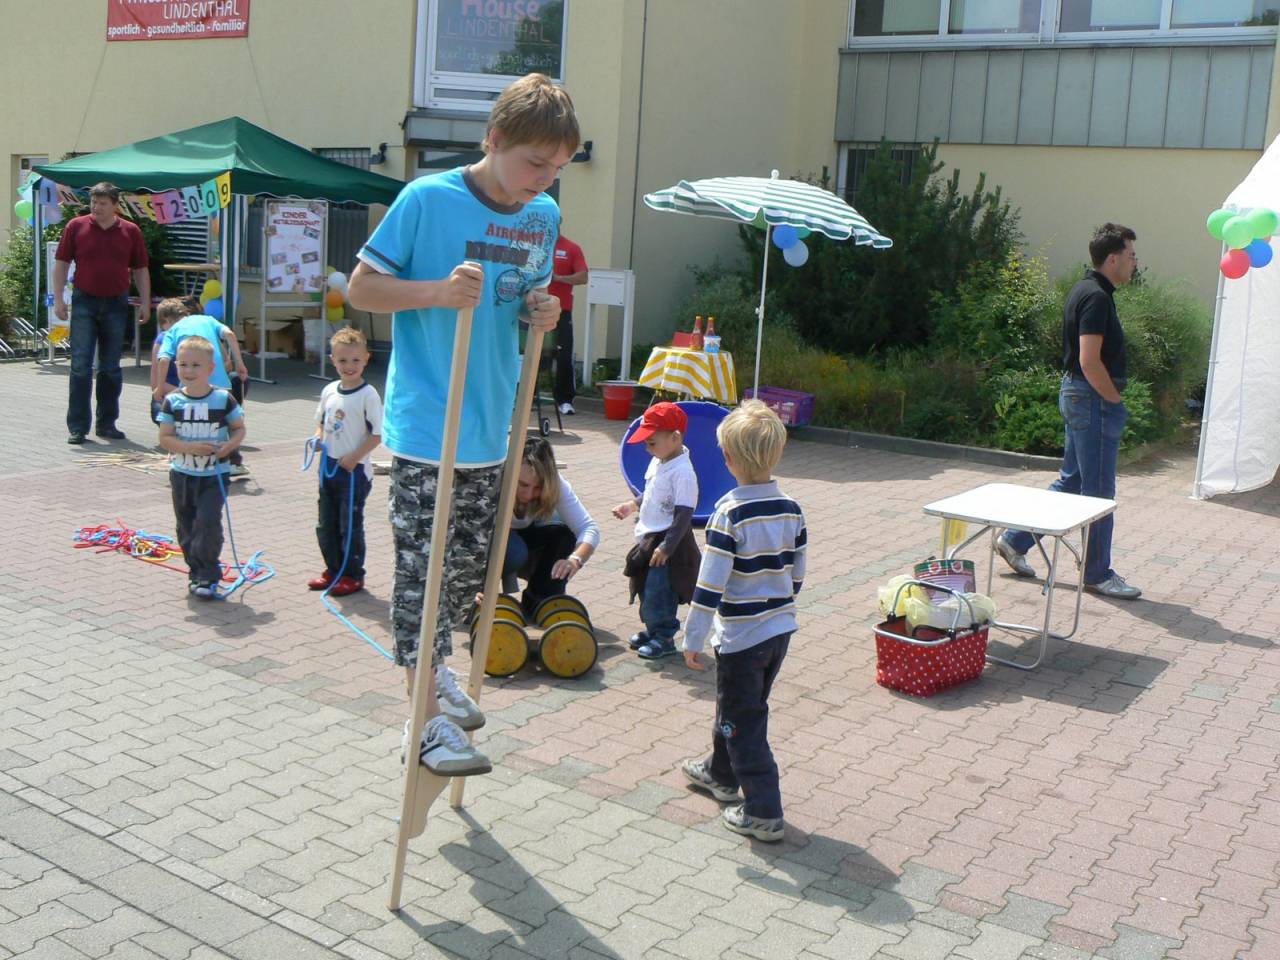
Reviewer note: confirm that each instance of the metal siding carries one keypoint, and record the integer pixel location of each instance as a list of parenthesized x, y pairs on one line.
[(869, 97), (846, 92), (1073, 98), (1227, 99), (1110, 103), (1035, 106), (1261, 64), (903, 98), (1148, 97), (1188, 91), (934, 120), (968, 97), (1004, 82)]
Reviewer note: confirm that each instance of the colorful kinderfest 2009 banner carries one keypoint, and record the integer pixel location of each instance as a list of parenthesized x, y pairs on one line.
[(177, 19), (295, 254)]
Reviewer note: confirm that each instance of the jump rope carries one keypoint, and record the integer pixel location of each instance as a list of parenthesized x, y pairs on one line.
[(316, 452)]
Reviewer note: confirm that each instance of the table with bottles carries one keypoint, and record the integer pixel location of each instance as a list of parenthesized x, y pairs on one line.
[(692, 373)]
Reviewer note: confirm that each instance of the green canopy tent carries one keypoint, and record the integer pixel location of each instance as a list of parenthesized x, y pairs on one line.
[(259, 163)]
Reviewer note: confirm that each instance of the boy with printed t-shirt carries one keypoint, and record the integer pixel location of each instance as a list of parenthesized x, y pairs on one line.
[(478, 237), (200, 425), (349, 422)]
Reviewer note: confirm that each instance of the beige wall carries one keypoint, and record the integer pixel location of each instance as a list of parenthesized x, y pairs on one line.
[(1164, 195)]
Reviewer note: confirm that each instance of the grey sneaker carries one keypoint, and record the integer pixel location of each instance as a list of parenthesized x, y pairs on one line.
[(696, 772), (454, 702), (238, 470), (1115, 587), (446, 751), (739, 821), (1017, 561)]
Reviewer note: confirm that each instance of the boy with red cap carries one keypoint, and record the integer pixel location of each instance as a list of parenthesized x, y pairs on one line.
[(663, 565)]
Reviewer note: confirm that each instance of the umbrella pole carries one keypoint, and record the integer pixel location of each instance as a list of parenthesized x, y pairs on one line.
[(764, 279)]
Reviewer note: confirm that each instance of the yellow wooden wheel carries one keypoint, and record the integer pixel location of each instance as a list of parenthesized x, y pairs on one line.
[(551, 605), (568, 649), (565, 615), (508, 648), (507, 606)]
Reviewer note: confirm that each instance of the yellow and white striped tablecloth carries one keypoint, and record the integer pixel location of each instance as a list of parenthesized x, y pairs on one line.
[(693, 373)]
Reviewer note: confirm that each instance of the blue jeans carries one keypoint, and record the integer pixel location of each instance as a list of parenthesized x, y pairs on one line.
[(97, 323), (658, 605), (336, 519), (740, 754), (532, 553), (1094, 427)]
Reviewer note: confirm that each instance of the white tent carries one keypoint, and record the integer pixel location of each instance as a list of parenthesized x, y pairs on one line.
[(1239, 437)]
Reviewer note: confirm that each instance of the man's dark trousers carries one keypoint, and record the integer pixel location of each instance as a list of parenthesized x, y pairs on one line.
[(97, 323)]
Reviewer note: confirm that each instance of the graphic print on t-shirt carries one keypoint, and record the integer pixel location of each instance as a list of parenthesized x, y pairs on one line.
[(200, 419), (523, 250)]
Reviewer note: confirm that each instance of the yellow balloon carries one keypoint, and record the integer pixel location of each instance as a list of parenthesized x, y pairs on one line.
[(205, 298), (212, 288), (335, 313)]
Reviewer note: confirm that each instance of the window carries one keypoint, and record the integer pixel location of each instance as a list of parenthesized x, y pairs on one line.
[(348, 226), (1224, 13), (994, 16), (858, 156), (469, 50), (1081, 16)]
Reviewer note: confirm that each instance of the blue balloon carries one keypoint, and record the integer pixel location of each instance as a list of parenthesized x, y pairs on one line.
[(797, 254), (785, 236), (214, 308), (1259, 253)]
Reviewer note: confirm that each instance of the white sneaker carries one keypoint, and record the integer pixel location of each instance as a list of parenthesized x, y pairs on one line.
[(1017, 561), (1115, 587), (446, 751), (238, 470), (454, 702), (566, 409)]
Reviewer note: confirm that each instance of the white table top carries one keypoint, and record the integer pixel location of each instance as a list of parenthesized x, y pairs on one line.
[(1033, 509)]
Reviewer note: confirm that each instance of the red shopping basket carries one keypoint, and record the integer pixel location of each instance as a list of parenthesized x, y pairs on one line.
[(927, 661)]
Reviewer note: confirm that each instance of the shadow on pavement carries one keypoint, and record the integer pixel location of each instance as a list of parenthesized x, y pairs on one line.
[(1182, 621)]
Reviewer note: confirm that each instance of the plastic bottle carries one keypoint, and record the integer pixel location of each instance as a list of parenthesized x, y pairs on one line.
[(695, 340), (711, 342)]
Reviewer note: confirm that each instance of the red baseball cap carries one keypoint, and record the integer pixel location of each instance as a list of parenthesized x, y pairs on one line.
[(661, 416)]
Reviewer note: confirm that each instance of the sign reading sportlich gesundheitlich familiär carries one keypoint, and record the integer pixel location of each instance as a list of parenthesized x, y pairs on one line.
[(177, 19)]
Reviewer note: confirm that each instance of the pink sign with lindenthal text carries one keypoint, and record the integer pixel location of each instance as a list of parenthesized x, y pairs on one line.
[(177, 19)]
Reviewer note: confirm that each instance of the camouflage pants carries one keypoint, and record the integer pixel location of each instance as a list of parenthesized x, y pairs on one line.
[(412, 507)]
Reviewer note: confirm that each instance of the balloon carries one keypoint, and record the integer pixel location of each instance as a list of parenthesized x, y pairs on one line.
[(1259, 253), (1237, 232), (24, 209), (803, 232), (1216, 221), (1235, 264), (335, 313), (205, 298), (797, 254), (214, 308), (333, 298), (212, 288), (1263, 222), (337, 281), (53, 214), (784, 236)]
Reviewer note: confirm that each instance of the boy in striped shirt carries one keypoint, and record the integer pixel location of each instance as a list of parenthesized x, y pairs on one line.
[(745, 602)]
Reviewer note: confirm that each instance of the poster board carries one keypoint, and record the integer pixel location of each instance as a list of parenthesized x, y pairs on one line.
[(295, 231)]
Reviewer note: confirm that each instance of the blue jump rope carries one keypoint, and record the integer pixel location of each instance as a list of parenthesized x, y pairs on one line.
[(314, 451), (255, 571)]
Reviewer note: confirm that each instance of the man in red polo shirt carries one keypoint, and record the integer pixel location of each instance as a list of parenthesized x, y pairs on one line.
[(570, 269), (108, 252)]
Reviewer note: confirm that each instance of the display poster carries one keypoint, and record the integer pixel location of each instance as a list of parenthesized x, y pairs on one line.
[(501, 37), (295, 251), (177, 19)]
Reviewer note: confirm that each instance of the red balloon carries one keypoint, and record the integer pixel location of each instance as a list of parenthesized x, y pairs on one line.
[(1235, 264)]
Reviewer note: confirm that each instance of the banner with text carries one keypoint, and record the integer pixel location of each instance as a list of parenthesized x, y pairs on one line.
[(295, 252), (177, 19)]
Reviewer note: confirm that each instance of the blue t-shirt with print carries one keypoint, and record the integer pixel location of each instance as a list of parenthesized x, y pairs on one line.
[(435, 224), (200, 418), (198, 325)]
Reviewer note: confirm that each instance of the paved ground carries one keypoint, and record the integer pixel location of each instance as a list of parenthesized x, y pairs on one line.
[(186, 780)]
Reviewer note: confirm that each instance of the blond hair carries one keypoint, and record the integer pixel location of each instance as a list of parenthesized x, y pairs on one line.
[(172, 309), (754, 437), (348, 335), (539, 455), (196, 343), (533, 110)]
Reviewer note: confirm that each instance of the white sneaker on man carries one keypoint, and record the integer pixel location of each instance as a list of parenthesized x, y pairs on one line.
[(1017, 561), (445, 750), (566, 409), (1115, 587), (454, 702)]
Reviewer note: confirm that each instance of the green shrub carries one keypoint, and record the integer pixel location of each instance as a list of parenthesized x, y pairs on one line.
[(1144, 424), (1167, 333), (1027, 418)]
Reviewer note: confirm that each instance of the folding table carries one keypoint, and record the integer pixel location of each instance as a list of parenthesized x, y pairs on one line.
[(1047, 513)]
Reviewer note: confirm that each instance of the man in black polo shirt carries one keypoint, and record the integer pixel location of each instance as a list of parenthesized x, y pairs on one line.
[(1095, 373)]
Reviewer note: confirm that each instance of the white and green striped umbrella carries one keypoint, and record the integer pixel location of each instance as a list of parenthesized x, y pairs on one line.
[(792, 202), (769, 202)]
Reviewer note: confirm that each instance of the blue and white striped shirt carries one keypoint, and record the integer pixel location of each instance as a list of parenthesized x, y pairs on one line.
[(751, 570)]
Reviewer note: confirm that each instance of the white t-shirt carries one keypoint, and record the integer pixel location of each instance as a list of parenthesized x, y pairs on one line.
[(667, 485), (570, 512), (349, 417)]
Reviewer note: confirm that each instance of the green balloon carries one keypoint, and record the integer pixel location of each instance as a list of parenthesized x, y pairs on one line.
[(1216, 221), (803, 232), (1237, 233), (23, 209), (1262, 222)]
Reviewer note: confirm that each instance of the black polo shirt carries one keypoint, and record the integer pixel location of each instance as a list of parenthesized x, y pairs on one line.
[(1091, 309)]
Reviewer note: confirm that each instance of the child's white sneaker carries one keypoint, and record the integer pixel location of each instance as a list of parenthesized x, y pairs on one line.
[(446, 750), (454, 701)]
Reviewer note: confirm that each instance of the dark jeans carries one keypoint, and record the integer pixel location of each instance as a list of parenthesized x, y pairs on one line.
[(336, 520), (197, 508), (531, 553), (1094, 427), (658, 604), (97, 324), (563, 389), (740, 754)]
